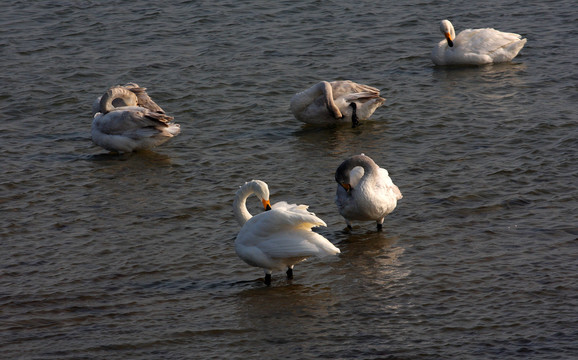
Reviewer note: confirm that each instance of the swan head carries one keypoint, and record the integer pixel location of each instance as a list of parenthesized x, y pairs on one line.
[(343, 172), (447, 29), (260, 189), (117, 96)]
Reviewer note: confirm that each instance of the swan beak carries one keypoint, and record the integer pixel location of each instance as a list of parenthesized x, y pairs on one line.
[(347, 187), (449, 39), (266, 204)]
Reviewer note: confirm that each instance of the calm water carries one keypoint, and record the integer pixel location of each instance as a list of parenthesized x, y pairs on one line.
[(131, 257)]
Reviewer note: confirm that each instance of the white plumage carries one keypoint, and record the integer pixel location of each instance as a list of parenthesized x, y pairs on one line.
[(279, 238), (365, 192), (475, 46)]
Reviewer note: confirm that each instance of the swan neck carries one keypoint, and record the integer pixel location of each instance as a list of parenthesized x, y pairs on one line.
[(240, 205), (306, 97), (369, 168), (106, 102)]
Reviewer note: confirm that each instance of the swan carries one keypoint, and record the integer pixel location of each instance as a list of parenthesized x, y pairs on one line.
[(327, 103), (127, 119), (365, 191), (278, 238), (475, 46)]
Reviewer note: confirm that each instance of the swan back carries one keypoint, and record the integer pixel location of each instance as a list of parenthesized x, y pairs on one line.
[(256, 187)]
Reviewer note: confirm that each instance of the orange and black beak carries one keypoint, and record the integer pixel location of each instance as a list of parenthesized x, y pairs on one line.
[(266, 204), (449, 39), (347, 187)]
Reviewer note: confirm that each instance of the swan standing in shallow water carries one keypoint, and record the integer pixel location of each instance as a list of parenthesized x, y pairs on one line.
[(328, 103), (365, 191), (475, 46), (127, 119), (278, 238)]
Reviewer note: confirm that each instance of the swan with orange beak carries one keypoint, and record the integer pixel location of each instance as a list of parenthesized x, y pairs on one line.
[(475, 46)]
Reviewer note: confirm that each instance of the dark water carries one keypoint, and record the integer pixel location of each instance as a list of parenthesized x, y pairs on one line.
[(131, 257)]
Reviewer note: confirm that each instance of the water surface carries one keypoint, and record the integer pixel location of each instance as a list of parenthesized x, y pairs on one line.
[(131, 257)]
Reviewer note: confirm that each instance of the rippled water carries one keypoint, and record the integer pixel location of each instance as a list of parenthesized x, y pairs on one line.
[(131, 257)]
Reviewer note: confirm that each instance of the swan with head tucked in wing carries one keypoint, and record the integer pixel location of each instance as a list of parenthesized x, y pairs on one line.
[(127, 119), (278, 238), (475, 46), (329, 103), (365, 192)]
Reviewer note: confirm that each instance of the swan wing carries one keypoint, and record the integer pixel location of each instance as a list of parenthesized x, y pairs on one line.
[(129, 119), (282, 218), (285, 232), (144, 100), (296, 244), (388, 183), (350, 88), (292, 216), (485, 40)]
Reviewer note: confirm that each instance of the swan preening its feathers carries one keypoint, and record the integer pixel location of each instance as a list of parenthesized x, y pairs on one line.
[(328, 103), (127, 119), (365, 192), (278, 238), (475, 46)]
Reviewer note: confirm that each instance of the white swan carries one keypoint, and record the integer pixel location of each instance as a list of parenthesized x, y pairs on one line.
[(127, 119), (279, 238), (475, 46), (327, 103), (365, 191)]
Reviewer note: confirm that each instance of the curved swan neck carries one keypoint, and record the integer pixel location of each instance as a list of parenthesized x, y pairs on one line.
[(114, 93), (322, 88), (240, 207), (257, 187), (368, 165)]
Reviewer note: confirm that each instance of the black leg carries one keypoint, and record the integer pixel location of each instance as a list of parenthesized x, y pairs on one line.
[(268, 279), (379, 227), (289, 273)]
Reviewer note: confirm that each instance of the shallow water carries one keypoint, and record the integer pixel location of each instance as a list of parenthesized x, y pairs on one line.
[(131, 257)]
